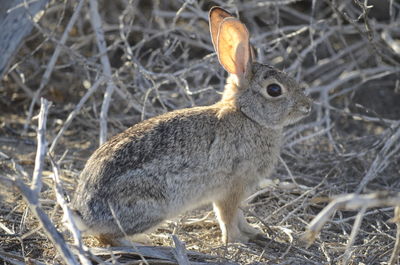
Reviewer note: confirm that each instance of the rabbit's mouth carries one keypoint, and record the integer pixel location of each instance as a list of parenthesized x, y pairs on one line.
[(296, 116), (299, 111)]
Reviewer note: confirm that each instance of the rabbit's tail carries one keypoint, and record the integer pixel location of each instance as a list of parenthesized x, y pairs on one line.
[(78, 220)]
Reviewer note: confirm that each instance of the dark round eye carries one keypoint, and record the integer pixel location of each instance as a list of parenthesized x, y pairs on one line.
[(274, 90)]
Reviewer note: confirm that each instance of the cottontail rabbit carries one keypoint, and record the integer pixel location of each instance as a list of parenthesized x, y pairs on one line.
[(182, 159)]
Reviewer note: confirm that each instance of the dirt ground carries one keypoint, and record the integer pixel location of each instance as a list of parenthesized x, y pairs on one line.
[(162, 59)]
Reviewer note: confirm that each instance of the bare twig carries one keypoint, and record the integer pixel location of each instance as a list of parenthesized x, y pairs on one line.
[(70, 224), (17, 259), (354, 231), (101, 44), (396, 249), (180, 251), (22, 85), (55, 237), (349, 202), (36, 185), (16, 23), (382, 159), (53, 60), (32, 195), (75, 112)]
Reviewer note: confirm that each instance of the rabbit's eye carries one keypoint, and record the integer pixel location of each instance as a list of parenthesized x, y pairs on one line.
[(274, 90)]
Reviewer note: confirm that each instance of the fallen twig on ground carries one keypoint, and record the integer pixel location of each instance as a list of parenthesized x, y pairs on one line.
[(353, 202)]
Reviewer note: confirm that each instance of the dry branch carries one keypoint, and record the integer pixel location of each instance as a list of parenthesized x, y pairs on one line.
[(349, 202), (36, 185), (69, 221), (180, 251), (75, 112), (101, 44), (396, 249), (32, 195), (162, 255), (354, 202), (16, 19), (55, 237), (53, 60), (382, 159)]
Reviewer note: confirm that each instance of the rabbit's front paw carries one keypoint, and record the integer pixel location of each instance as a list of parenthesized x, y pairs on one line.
[(253, 234)]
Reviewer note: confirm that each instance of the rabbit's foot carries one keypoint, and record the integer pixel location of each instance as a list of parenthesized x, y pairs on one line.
[(233, 224), (233, 235), (241, 231), (249, 235), (112, 241), (253, 234), (260, 240)]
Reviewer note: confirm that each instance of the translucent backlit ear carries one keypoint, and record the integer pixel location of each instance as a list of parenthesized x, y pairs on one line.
[(233, 46), (216, 16)]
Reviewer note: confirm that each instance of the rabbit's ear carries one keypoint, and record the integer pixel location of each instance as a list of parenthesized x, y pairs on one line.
[(216, 16), (234, 47)]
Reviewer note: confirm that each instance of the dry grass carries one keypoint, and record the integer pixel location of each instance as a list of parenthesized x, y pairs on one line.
[(160, 59)]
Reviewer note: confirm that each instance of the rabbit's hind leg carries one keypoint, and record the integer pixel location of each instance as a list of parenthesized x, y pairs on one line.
[(127, 222), (229, 216)]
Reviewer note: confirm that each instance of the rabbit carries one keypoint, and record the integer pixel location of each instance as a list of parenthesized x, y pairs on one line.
[(186, 158)]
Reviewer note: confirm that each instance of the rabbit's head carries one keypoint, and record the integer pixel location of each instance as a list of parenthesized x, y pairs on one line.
[(264, 94)]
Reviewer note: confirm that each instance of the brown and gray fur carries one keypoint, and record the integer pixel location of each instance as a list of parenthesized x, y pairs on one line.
[(180, 160)]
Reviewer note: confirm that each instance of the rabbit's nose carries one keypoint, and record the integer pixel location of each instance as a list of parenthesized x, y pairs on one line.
[(306, 108)]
